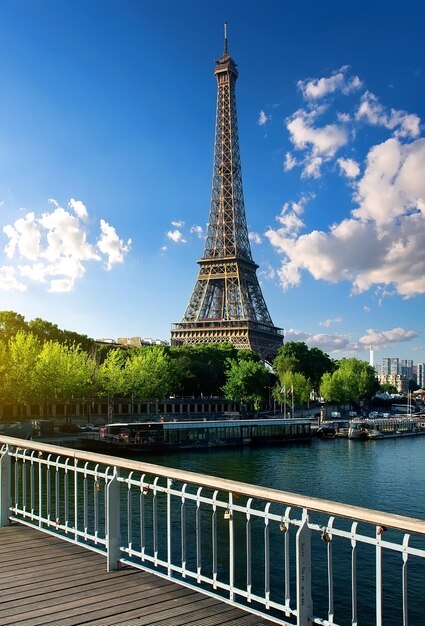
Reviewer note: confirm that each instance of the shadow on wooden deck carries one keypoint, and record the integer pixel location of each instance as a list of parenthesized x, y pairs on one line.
[(45, 581)]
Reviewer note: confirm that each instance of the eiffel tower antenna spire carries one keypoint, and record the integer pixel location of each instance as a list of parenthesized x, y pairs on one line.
[(227, 304)]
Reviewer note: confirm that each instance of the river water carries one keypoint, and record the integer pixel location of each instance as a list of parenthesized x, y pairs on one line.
[(384, 475)]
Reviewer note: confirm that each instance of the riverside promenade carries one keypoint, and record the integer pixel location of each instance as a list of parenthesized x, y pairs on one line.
[(45, 581)]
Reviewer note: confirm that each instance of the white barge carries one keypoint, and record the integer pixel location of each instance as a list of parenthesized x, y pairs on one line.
[(386, 428)]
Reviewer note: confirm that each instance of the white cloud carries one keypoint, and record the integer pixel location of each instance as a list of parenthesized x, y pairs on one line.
[(255, 238), (111, 245), (320, 143), (290, 162), (327, 343), (383, 338), (197, 230), (268, 272), (9, 281), (176, 236), (343, 344), (65, 237), (289, 219), (323, 141), (348, 167), (343, 117), (312, 167), (263, 119), (373, 112), (382, 243), (54, 247), (24, 237), (393, 185), (329, 322), (177, 223), (79, 208), (316, 88)]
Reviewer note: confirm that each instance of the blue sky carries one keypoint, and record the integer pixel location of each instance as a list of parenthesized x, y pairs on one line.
[(107, 113)]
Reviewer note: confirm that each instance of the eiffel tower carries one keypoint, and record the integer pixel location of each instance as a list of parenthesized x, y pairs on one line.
[(227, 304)]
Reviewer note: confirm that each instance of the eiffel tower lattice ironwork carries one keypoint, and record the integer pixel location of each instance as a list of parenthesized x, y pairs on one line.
[(227, 304)]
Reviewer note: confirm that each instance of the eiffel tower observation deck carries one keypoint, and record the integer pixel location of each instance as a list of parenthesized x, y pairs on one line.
[(227, 304)]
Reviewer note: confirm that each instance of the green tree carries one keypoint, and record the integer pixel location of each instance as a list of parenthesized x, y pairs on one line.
[(3, 369), (46, 331), (353, 380), (63, 372), (202, 369), (247, 381), (295, 356), (110, 375), (149, 373), (10, 324), (332, 388), (20, 383), (293, 383), (388, 388)]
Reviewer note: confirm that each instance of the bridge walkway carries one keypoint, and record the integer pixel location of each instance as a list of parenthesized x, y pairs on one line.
[(45, 581)]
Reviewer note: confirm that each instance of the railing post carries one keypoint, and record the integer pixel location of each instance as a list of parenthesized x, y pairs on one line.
[(303, 557), (5, 486), (113, 523)]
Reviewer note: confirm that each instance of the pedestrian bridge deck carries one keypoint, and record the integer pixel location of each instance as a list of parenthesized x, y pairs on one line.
[(45, 581)]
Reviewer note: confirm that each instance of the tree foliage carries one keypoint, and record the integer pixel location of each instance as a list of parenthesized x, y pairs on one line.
[(296, 356), (353, 380), (149, 373), (388, 388), (247, 381), (21, 354), (201, 370), (63, 372), (110, 375), (39, 362), (293, 383), (11, 323)]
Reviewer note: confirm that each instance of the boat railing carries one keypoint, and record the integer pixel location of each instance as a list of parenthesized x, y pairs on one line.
[(291, 558)]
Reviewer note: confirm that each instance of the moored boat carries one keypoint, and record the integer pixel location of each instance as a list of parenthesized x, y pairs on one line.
[(162, 435), (358, 429), (396, 427), (330, 430)]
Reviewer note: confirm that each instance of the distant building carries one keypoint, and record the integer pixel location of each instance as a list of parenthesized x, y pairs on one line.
[(390, 366), (133, 342), (406, 368), (136, 342), (398, 381), (420, 375)]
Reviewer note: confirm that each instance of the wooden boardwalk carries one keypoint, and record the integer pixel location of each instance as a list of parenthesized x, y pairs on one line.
[(45, 581)]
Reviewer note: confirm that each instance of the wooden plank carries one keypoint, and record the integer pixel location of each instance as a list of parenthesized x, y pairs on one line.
[(166, 609), (50, 582), (77, 595), (112, 606), (44, 562), (57, 583), (39, 552), (52, 572)]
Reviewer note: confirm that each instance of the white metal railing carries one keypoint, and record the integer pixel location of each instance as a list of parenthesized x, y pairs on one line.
[(273, 553)]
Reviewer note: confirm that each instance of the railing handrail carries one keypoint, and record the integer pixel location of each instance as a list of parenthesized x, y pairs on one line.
[(328, 507)]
